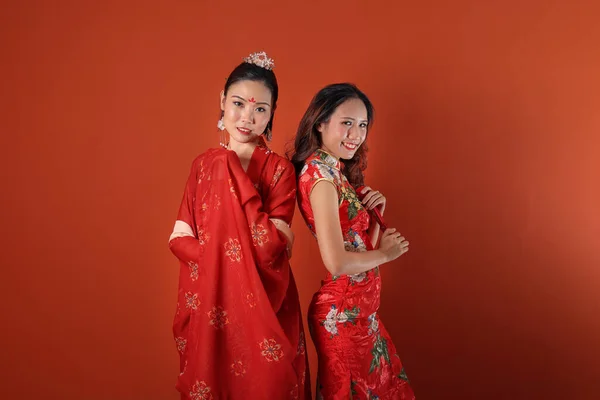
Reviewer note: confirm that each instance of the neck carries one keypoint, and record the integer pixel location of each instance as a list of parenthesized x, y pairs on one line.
[(243, 150), (326, 150)]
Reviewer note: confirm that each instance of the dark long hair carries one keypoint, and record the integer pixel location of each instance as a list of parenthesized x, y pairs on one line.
[(308, 138), (251, 72)]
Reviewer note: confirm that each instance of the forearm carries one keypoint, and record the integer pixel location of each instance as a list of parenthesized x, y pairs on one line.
[(186, 248), (373, 233), (374, 228), (351, 263)]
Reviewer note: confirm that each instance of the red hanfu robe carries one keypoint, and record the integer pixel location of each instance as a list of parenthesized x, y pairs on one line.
[(238, 325)]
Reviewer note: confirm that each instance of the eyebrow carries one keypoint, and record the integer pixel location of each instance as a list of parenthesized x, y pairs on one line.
[(353, 119), (258, 102)]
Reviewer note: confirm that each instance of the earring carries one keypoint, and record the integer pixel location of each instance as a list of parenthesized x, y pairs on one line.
[(223, 139)]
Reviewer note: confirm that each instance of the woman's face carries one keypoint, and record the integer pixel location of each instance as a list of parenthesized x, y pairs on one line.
[(346, 129), (246, 109)]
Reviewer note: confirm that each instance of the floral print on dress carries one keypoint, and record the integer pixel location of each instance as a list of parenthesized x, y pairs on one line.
[(218, 317), (373, 324), (271, 350), (233, 250), (250, 300), (192, 301), (357, 278), (349, 315), (353, 242), (217, 202), (201, 391), (238, 368), (330, 323), (301, 345), (354, 204), (180, 342), (277, 175), (403, 375), (203, 236), (380, 353), (295, 392), (193, 270), (232, 189), (201, 174), (259, 235), (334, 317)]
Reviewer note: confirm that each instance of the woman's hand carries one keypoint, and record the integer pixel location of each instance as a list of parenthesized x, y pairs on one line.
[(393, 244), (284, 228), (373, 199)]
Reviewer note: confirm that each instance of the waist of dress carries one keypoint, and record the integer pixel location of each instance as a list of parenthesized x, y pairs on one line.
[(359, 296)]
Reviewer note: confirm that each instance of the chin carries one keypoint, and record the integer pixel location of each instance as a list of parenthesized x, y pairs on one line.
[(243, 138), (347, 156)]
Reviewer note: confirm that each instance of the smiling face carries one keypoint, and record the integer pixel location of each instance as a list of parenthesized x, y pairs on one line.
[(247, 110), (346, 129)]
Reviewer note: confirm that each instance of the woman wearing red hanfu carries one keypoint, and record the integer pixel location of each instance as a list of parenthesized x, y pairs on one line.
[(238, 326), (357, 359)]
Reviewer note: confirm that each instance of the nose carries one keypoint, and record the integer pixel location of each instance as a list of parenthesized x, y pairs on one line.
[(354, 132), (248, 115)]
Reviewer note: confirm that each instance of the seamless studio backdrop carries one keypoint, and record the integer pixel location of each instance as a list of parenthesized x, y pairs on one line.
[(486, 143)]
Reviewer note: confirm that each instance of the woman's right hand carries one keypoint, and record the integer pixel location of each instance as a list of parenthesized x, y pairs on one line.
[(393, 244), (283, 227)]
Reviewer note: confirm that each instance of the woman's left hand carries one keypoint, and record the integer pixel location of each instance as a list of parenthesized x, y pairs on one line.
[(373, 199)]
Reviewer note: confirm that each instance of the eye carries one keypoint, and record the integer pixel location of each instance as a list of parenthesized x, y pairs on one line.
[(261, 109), (237, 103), (363, 125), (347, 123)]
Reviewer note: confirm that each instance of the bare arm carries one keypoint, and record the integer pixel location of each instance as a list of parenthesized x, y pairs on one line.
[(373, 232), (372, 199), (338, 261)]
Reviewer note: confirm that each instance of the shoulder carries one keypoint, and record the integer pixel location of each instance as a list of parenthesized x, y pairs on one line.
[(315, 168), (279, 169), (315, 171), (280, 162), (204, 159)]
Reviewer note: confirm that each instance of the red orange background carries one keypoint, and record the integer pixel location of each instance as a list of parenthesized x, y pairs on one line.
[(486, 143)]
